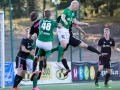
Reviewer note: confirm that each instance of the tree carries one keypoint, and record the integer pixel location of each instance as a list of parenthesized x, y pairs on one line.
[(31, 5), (112, 5), (19, 9), (97, 4)]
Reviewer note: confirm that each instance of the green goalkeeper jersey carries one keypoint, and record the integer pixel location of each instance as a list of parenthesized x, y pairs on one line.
[(46, 27), (30, 56), (69, 16)]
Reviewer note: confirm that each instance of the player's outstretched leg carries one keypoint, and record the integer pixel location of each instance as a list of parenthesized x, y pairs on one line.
[(60, 52), (64, 62)]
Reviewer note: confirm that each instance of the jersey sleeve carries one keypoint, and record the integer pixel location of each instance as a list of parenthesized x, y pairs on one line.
[(23, 42), (113, 43), (64, 12), (100, 42), (31, 31)]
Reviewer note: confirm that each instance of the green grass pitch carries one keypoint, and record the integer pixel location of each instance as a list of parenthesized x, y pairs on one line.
[(72, 86)]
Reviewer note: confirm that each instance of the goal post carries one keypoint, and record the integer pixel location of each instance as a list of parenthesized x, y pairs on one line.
[(2, 50)]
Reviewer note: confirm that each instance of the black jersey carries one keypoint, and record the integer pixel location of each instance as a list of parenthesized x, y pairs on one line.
[(35, 28), (27, 43), (70, 29), (106, 45), (72, 41)]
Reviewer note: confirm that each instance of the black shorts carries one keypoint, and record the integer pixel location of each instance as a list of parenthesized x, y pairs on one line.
[(105, 63), (20, 63), (36, 50), (73, 42)]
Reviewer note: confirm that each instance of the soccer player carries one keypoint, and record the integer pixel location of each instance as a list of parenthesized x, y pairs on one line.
[(35, 29), (45, 37), (67, 17), (21, 58), (75, 43), (29, 62), (105, 45)]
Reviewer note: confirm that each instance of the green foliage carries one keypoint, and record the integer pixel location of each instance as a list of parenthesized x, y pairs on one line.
[(112, 5), (117, 12), (19, 9), (89, 8), (3, 3), (103, 10)]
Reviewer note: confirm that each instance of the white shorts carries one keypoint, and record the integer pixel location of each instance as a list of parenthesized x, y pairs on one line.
[(63, 34), (44, 45), (29, 64)]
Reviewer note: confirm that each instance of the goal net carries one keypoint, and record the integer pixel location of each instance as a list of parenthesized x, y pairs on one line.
[(2, 51)]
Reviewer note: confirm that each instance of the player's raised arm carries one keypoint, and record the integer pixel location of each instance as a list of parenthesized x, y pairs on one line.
[(80, 23), (63, 19), (79, 28)]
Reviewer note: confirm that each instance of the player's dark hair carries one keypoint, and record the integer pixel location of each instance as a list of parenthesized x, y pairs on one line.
[(47, 13), (33, 16)]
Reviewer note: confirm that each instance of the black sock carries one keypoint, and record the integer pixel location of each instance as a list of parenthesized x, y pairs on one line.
[(34, 65), (92, 49), (40, 65), (64, 62), (107, 78), (36, 50), (97, 76), (17, 80)]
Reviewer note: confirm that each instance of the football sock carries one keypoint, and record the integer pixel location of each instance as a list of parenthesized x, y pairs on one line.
[(97, 76), (107, 78), (40, 65), (92, 49), (35, 81), (17, 80), (60, 52), (47, 54), (34, 65), (36, 50), (39, 52), (55, 49), (64, 62)]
